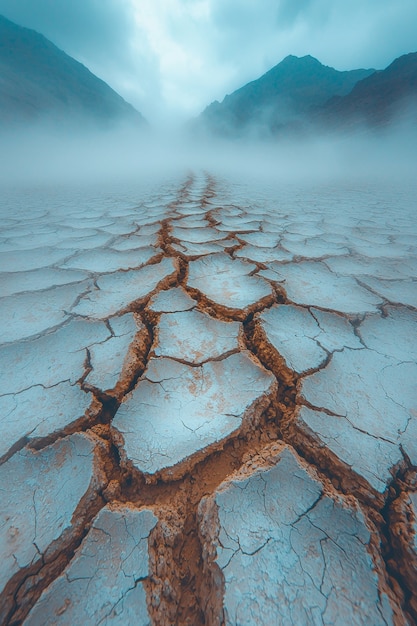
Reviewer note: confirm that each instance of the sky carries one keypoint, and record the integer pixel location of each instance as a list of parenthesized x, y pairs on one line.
[(171, 58)]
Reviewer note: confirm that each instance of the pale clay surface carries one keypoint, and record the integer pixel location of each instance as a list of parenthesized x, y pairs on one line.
[(311, 283), (172, 301), (195, 337), (227, 282), (100, 584), (94, 297), (107, 358), (371, 397), (56, 408), (36, 510), (115, 291), (305, 337), (290, 554), (177, 410)]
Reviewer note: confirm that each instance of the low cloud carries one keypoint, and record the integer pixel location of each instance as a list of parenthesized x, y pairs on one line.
[(173, 57), (45, 156)]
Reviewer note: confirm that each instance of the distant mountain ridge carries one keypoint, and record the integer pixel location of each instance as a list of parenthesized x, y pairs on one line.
[(379, 98), (301, 95), (40, 81), (283, 95)]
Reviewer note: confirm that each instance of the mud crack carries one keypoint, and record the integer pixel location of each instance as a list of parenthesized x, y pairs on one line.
[(220, 434)]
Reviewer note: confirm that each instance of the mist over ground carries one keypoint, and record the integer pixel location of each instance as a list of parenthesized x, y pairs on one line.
[(43, 155)]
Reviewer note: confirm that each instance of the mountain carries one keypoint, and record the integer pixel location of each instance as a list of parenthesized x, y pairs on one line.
[(282, 97), (39, 81), (378, 99)]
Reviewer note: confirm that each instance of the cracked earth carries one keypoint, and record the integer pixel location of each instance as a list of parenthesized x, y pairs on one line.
[(208, 408)]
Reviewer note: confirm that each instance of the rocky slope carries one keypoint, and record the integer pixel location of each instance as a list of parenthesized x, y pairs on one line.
[(303, 96), (378, 99), (39, 81), (283, 96)]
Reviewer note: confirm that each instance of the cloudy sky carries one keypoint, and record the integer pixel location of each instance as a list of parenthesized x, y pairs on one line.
[(171, 58)]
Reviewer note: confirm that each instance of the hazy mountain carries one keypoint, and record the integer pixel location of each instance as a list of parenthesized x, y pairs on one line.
[(40, 81), (377, 99), (283, 96)]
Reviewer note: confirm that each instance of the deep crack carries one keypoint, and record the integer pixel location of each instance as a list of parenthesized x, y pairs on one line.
[(186, 583)]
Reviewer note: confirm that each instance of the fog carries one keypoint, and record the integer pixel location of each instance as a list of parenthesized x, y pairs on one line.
[(45, 156)]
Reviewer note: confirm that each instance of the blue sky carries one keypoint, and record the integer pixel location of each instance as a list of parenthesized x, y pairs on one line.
[(171, 58)]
